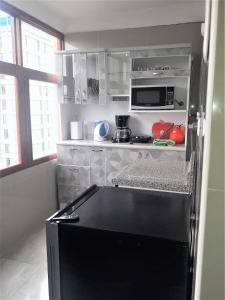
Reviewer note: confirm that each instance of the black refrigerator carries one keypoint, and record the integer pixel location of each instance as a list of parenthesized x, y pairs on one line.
[(116, 243)]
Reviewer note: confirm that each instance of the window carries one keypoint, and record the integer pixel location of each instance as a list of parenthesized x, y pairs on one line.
[(9, 155), (39, 49), (43, 110), (6, 37), (28, 90)]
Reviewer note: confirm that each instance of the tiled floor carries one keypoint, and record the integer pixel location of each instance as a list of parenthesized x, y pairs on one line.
[(23, 272)]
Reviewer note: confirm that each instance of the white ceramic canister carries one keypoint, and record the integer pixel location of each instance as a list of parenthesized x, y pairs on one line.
[(76, 130)]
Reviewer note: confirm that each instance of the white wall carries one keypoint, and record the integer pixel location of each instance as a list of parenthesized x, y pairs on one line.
[(27, 198), (172, 34), (138, 123)]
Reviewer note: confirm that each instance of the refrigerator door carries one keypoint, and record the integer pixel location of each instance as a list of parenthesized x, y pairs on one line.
[(104, 265), (203, 141), (120, 244)]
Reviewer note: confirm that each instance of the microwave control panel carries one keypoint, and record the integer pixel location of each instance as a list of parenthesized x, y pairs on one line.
[(170, 95)]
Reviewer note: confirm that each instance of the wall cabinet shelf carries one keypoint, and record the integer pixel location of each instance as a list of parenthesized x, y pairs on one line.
[(159, 111), (160, 73), (172, 69)]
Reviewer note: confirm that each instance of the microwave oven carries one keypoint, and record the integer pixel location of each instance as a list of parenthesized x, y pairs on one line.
[(152, 97)]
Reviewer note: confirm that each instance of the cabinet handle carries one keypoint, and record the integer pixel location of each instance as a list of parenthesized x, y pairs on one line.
[(155, 73), (96, 150), (74, 149), (74, 170)]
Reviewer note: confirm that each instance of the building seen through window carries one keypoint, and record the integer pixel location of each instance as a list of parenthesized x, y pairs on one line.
[(8, 122), (6, 37)]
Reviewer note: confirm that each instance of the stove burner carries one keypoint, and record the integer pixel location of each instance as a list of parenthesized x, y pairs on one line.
[(133, 139), (140, 139)]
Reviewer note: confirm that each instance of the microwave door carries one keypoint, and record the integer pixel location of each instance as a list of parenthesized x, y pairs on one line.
[(150, 98), (146, 97)]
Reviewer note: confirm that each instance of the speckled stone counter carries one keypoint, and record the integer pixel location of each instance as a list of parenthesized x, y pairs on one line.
[(174, 176)]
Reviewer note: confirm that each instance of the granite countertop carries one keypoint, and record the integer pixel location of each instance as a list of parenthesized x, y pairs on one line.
[(109, 144), (174, 176)]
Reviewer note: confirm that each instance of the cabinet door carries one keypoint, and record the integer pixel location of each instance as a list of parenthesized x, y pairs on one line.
[(134, 155), (119, 74), (66, 82), (73, 155), (67, 194), (96, 78), (71, 181), (77, 78), (116, 160), (102, 78), (83, 77), (80, 75), (92, 78), (73, 175), (98, 166)]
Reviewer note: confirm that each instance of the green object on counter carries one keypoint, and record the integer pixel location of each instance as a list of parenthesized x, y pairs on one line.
[(162, 142)]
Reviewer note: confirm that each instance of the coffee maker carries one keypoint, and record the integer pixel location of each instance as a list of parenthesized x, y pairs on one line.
[(122, 133)]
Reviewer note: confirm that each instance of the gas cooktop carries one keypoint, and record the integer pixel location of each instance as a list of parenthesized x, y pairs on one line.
[(144, 139), (140, 139)]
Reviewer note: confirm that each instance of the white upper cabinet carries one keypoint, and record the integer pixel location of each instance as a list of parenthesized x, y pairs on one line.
[(118, 64), (80, 75), (96, 78), (93, 77), (82, 78), (160, 67), (163, 67), (66, 82)]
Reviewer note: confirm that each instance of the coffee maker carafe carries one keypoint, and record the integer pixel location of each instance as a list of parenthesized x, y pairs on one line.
[(122, 133)]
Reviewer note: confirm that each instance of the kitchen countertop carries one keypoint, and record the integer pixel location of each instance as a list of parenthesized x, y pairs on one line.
[(173, 176), (109, 144)]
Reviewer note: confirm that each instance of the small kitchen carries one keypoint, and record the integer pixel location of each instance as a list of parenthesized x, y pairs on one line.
[(127, 154), (114, 112), (134, 124)]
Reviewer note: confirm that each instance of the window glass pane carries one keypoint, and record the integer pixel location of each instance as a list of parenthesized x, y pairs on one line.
[(8, 122), (6, 37), (39, 49), (43, 106)]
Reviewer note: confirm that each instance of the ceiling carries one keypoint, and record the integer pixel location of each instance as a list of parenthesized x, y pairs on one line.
[(90, 15)]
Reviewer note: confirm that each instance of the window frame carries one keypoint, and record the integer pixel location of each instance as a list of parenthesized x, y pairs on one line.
[(23, 75)]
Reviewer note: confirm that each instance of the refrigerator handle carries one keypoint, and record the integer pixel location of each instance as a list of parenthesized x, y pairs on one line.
[(198, 123), (67, 219), (201, 123)]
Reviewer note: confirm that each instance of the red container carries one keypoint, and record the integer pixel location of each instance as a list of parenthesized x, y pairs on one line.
[(177, 134), (161, 129)]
